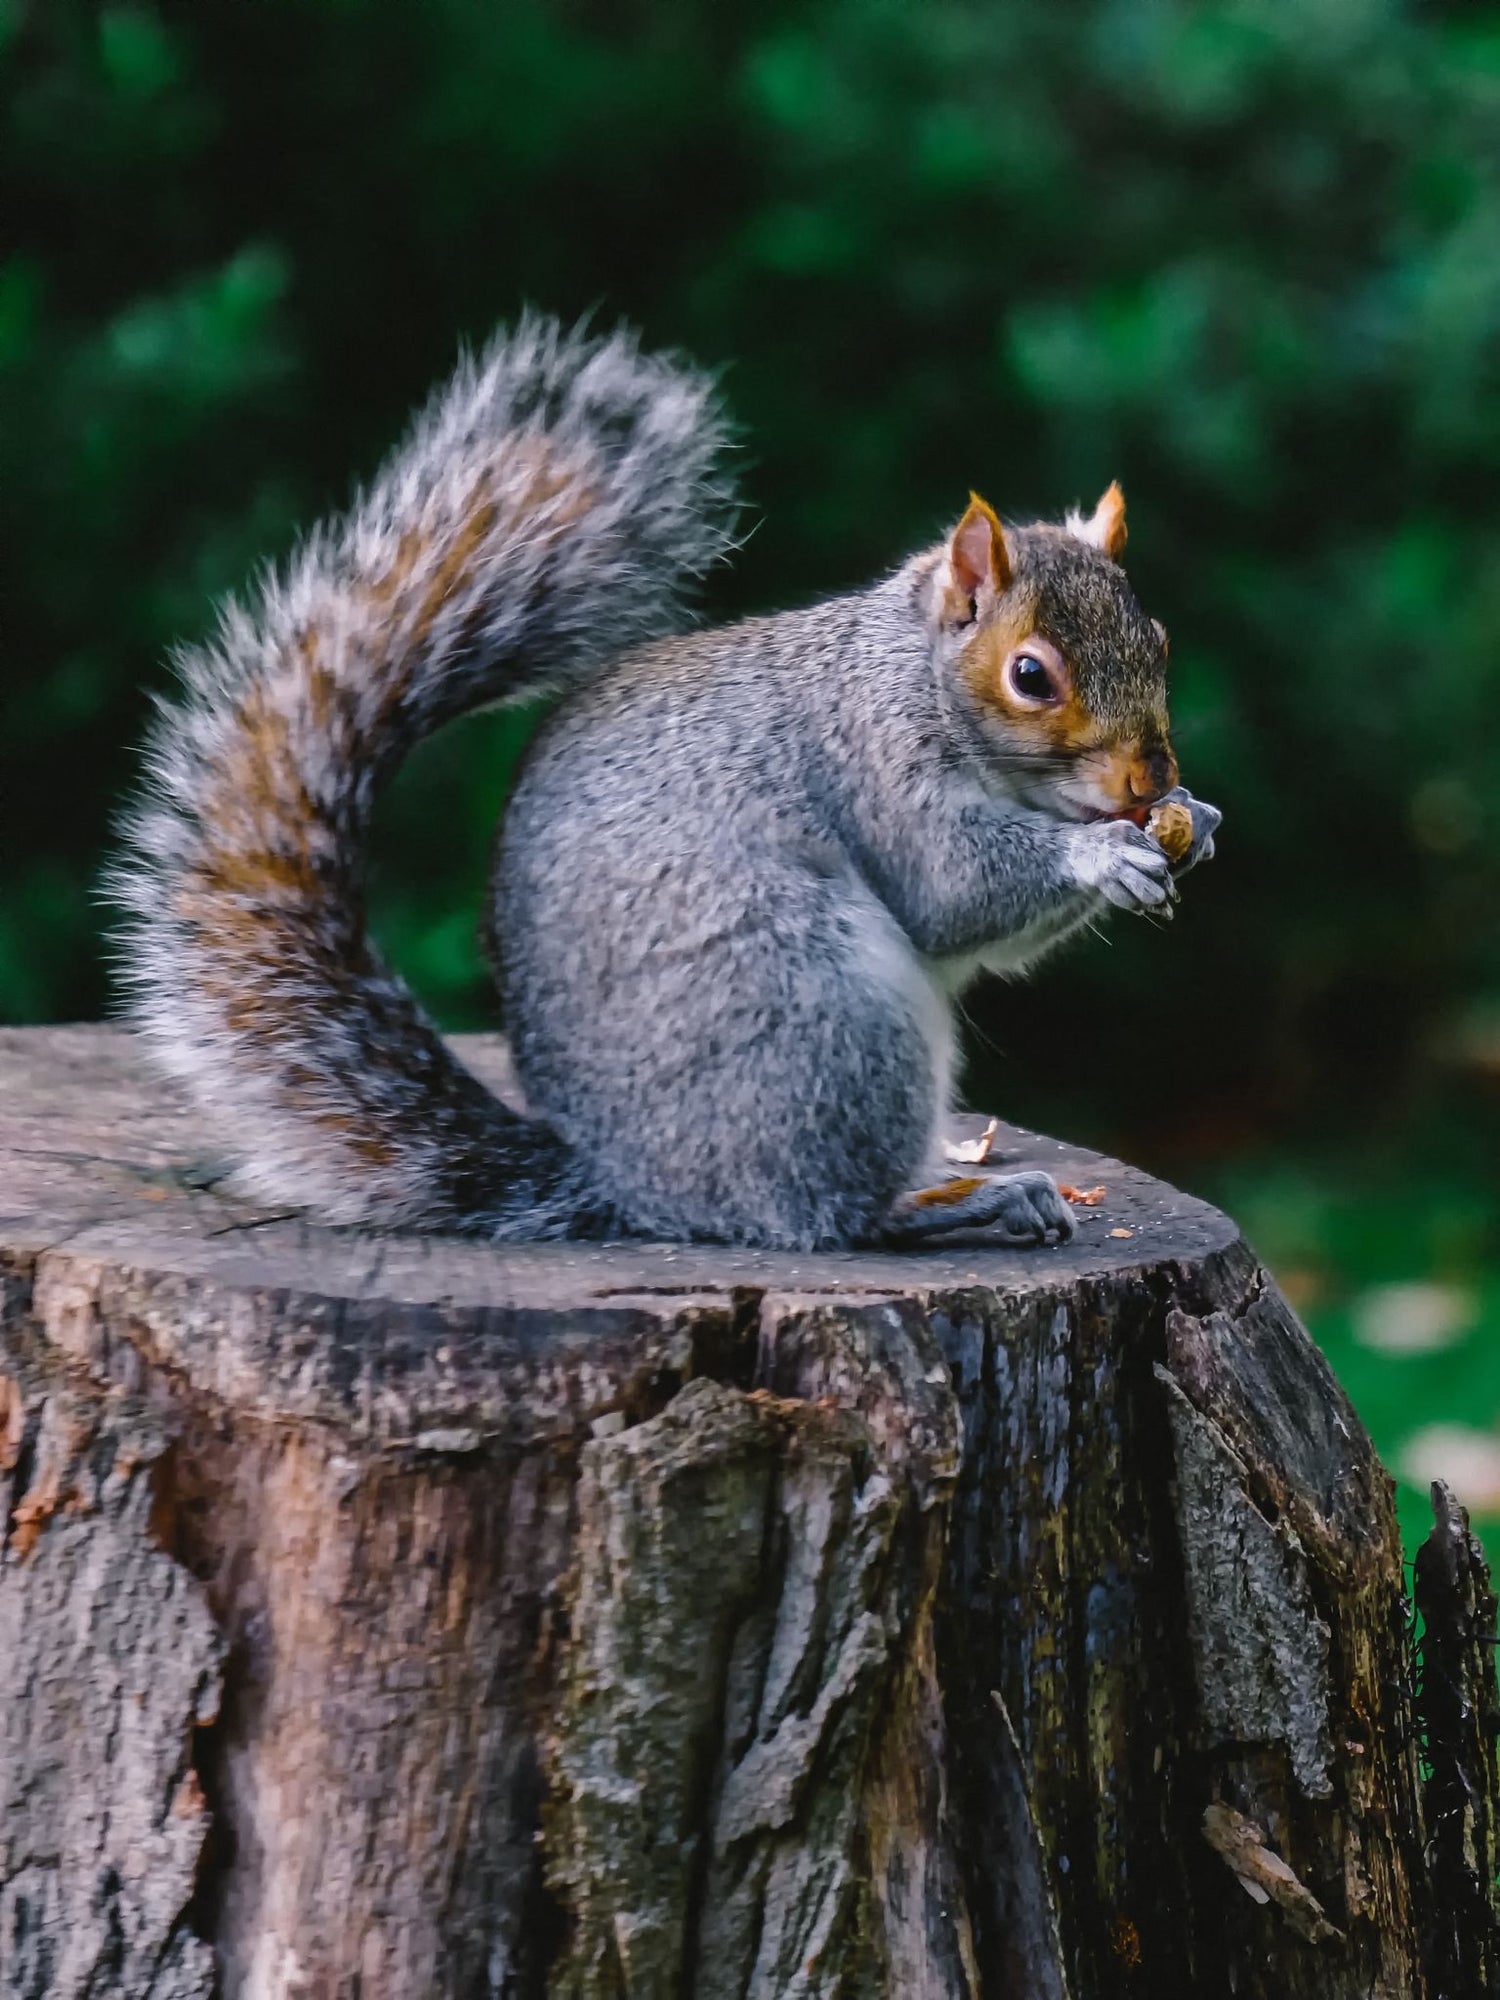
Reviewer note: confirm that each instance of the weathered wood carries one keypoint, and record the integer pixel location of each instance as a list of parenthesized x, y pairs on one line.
[(397, 1617), (111, 1663), (1460, 1711)]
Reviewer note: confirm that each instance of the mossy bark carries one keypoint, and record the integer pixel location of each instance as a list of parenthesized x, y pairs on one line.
[(406, 1618)]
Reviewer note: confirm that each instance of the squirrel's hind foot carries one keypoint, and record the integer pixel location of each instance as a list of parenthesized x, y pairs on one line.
[(1022, 1209)]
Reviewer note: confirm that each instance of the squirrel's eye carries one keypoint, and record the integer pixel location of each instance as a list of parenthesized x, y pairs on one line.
[(1030, 678)]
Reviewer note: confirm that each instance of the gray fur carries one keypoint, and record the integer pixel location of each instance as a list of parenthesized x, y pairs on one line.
[(581, 477), (770, 842), (740, 874)]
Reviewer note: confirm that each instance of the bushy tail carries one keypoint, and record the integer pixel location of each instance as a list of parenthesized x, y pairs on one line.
[(548, 510)]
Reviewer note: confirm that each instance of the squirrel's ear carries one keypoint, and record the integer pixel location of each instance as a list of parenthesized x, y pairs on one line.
[(977, 554), (1105, 527)]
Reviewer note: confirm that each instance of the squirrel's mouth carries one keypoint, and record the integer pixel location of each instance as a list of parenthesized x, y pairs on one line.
[(1068, 796), (1072, 812), (1082, 815), (1090, 812)]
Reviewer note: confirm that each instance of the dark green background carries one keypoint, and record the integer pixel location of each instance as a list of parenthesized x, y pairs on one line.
[(1245, 257)]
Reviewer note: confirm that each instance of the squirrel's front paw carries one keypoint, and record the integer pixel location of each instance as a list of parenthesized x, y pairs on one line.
[(1122, 863), (1206, 822)]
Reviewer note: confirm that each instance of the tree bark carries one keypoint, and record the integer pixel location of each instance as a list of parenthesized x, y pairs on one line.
[(401, 1617)]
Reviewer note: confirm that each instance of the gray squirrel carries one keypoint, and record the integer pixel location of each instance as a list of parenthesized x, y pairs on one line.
[(742, 874)]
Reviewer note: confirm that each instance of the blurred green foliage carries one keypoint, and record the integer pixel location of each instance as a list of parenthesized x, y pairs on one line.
[(1242, 255), (1363, 1242)]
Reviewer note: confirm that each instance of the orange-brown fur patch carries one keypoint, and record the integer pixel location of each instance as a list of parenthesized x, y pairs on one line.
[(386, 588), (453, 569), (977, 556), (324, 698), (949, 1194), (1068, 727), (259, 817), (1109, 521), (265, 862), (374, 1150), (547, 480), (270, 874), (1113, 769), (1065, 729), (270, 888)]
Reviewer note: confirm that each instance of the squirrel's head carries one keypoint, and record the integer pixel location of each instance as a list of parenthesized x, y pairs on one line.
[(1053, 658)]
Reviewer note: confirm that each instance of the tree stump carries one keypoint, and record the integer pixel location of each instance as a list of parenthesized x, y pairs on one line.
[(404, 1618)]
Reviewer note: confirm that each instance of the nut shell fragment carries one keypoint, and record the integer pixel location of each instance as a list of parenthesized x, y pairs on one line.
[(973, 1152), (1082, 1197)]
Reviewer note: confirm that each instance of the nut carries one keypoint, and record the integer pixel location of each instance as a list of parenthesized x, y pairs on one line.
[(1171, 827)]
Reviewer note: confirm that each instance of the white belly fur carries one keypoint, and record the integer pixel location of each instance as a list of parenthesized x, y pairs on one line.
[(886, 957), (1007, 958)]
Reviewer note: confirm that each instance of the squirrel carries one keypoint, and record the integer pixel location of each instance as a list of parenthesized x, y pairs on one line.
[(741, 877)]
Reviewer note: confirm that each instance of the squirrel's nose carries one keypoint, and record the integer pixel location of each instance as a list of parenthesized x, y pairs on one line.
[(1151, 775)]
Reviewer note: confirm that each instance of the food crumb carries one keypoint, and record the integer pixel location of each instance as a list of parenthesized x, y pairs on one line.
[(1122, 1232), (974, 1152), (1081, 1197)]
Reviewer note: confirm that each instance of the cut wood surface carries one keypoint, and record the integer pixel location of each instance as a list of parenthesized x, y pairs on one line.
[(389, 1616)]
